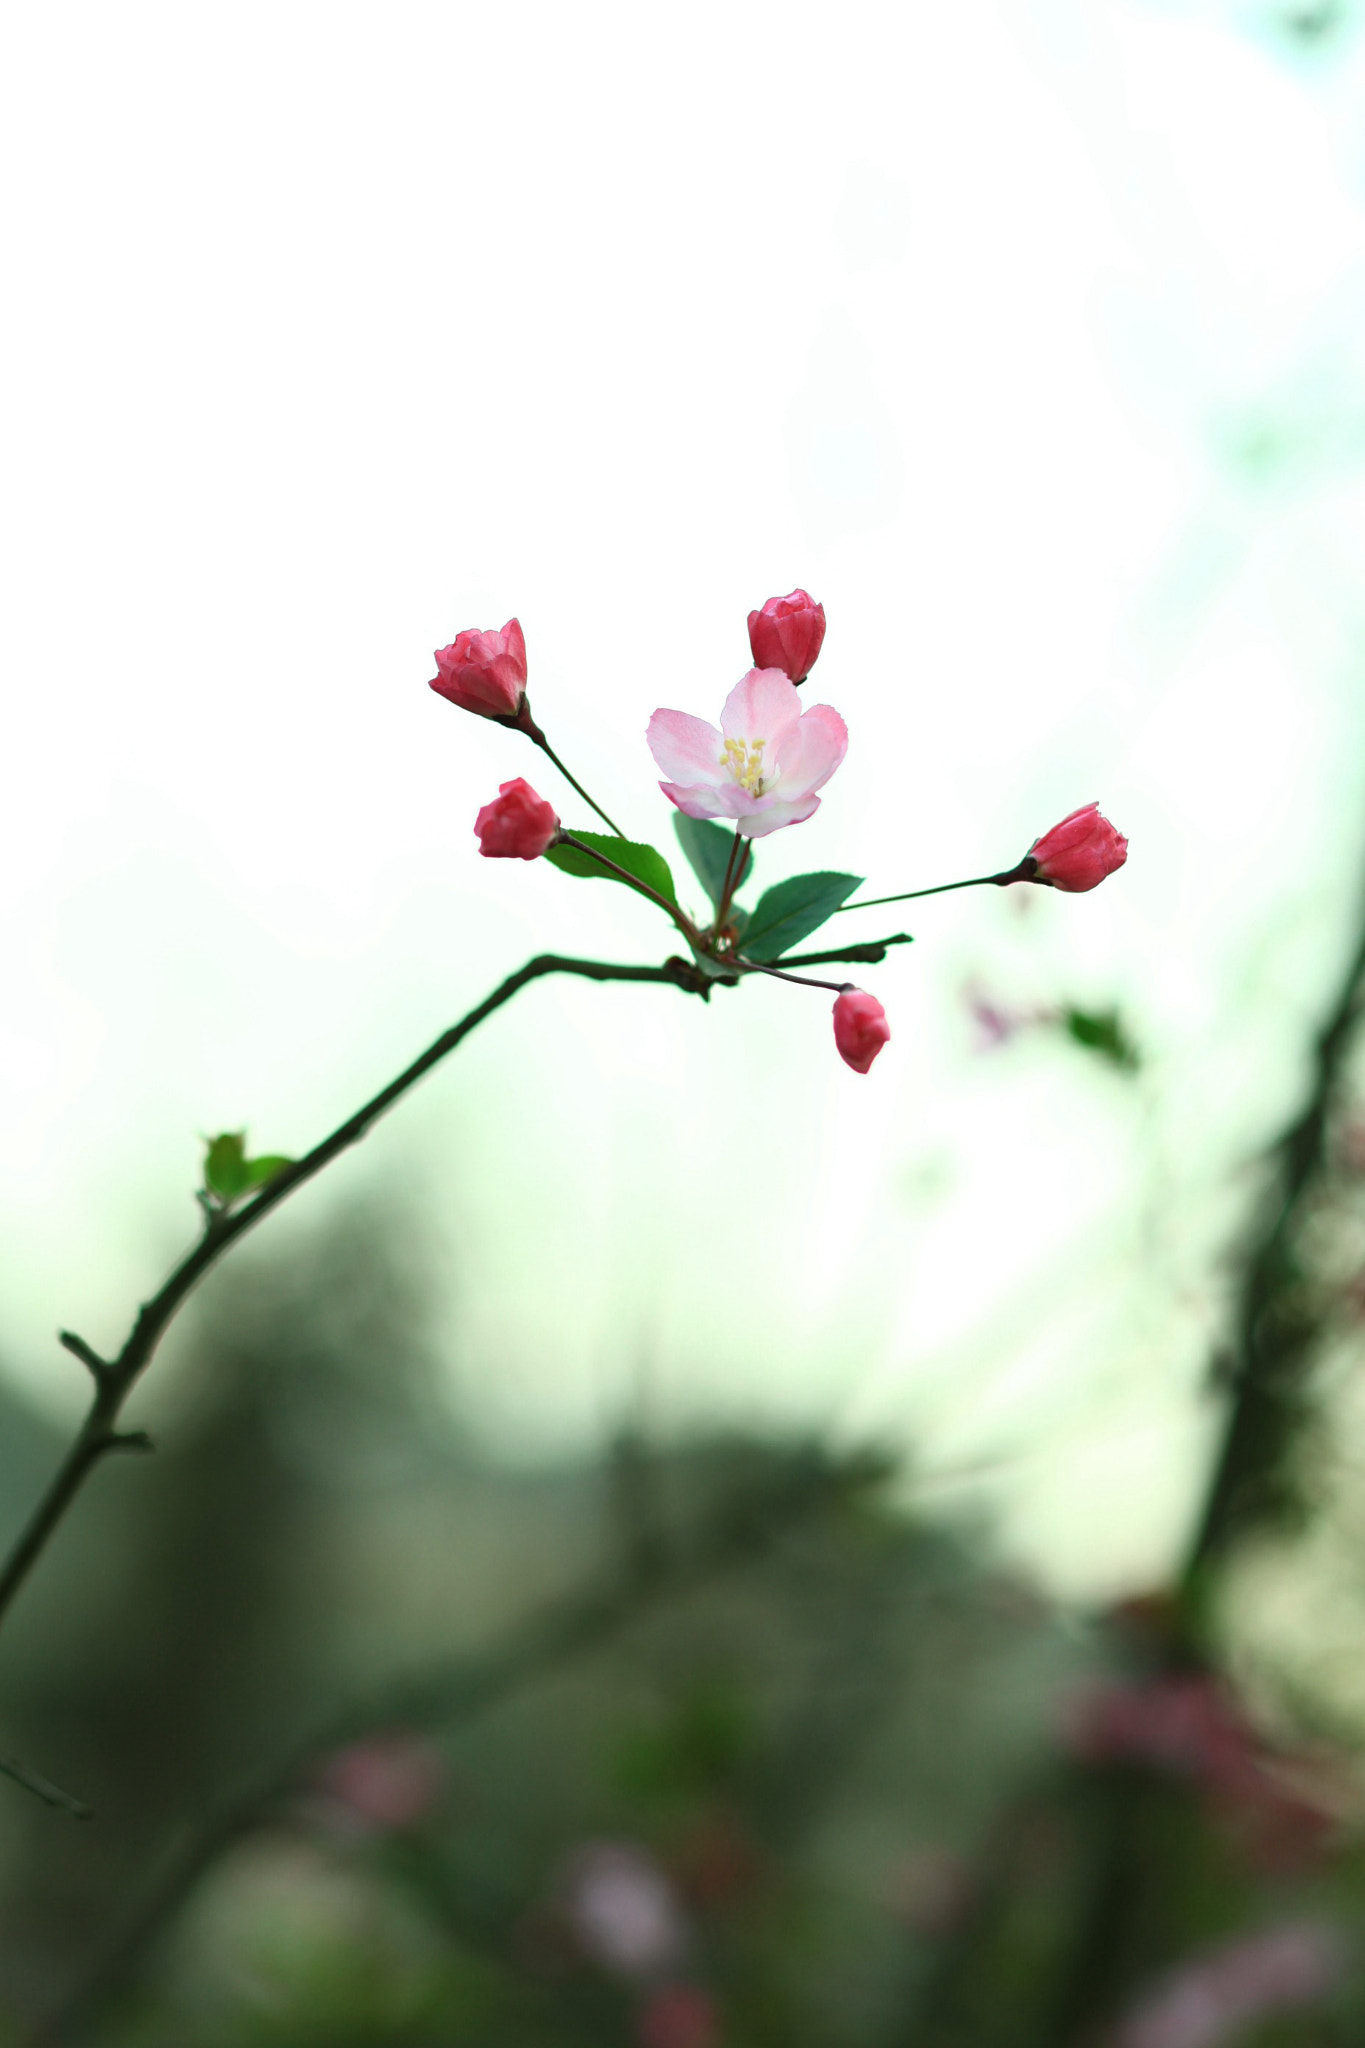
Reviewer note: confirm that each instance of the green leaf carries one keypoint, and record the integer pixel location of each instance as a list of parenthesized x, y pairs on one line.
[(229, 1174), (646, 863), (1102, 1032), (791, 911), (708, 848), (259, 1171), (225, 1167)]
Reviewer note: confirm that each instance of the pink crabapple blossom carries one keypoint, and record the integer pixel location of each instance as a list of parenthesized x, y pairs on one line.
[(860, 1028), (517, 825), (484, 672), (788, 633), (761, 766), (1079, 853)]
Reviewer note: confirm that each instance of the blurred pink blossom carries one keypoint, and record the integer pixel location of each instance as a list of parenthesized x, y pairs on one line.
[(1185, 1724), (623, 1909), (678, 2016), (997, 1021), (387, 1782), (1180, 1722), (1213, 1998)]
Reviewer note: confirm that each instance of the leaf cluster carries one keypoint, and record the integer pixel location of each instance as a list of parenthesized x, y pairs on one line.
[(229, 1174), (783, 916)]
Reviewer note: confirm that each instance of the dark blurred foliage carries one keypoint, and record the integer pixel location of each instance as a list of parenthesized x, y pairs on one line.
[(709, 1744), (332, 1805)]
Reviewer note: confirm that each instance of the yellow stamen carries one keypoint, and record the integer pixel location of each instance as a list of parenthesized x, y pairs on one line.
[(744, 759)]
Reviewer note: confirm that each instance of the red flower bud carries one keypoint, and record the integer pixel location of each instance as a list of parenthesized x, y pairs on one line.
[(860, 1028), (1080, 852), (787, 634), (484, 672), (517, 825)]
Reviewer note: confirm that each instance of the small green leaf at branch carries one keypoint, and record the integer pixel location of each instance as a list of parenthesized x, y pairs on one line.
[(708, 848), (229, 1174), (791, 911), (646, 863), (1103, 1033), (259, 1171)]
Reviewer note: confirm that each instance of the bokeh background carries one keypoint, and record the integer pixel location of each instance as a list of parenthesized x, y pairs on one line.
[(791, 1428)]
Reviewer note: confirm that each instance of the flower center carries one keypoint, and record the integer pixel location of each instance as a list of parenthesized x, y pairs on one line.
[(744, 759)]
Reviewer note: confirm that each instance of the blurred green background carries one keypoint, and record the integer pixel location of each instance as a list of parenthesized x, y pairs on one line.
[(671, 1542)]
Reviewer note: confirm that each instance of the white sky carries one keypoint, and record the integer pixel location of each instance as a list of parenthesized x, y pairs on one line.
[(333, 330)]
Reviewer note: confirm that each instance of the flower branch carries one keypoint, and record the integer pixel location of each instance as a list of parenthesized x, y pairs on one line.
[(115, 1378), (1074, 856)]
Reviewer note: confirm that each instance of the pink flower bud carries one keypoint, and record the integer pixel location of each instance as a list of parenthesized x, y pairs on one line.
[(517, 825), (484, 672), (787, 634), (1080, 852), (860, 1028)]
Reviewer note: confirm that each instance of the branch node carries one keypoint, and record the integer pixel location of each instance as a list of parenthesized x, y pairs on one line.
[(99, 1368), (128, 1440)]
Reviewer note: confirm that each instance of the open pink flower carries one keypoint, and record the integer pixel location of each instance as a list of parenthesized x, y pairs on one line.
[(761, 766)]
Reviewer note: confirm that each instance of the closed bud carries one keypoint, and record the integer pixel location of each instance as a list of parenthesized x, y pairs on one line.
[(788, 634), (860, 1028), (517, 825), (1079, 853), (484, 672)]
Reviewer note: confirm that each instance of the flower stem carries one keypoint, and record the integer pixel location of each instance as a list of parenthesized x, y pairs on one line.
[(734, 875), (1023, 873), (534, 732), (801, 980), (114, 1378), (685, 925)]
